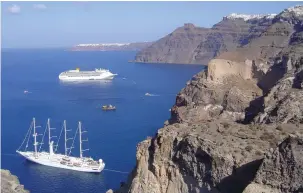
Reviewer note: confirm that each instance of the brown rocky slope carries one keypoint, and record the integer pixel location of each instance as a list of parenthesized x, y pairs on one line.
[(10, 183), (230, 130)]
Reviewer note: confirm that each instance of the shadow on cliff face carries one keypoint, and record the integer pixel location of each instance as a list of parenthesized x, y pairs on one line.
[(198, 165), (174, 116), (255, 106), (271, 79), (298, 79), (274, 74), (151, 154), (300, 190), (194, 164), (266, 83), (240, 179)]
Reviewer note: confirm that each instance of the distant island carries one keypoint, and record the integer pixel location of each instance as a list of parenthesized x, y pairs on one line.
[(190, 44), (111, 46)]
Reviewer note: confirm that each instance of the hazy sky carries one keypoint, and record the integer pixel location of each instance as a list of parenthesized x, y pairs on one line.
[(56, 24)]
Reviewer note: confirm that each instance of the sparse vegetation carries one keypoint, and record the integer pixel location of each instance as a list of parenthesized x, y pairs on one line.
[(255, 127), (249, 148), (225, 125), (243, 153), (283, 133), (259, 127), (219, 161), (272, 144), (259, 153), (280, 128), (267, 136), (242, 130)]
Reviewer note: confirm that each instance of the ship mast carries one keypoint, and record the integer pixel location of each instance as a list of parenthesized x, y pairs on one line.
[(35, 137), (66, 139), (64, 125), (50, 137), (49, 133), (80, 138)]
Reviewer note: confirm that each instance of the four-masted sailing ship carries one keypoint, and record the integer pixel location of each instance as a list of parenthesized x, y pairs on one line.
[(51, 158)]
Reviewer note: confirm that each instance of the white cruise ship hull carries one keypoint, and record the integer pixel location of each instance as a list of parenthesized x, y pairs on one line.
[(44, 158), (86, 76)]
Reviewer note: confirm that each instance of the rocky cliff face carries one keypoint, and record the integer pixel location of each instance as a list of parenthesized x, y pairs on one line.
[(177, 47), (10, 183), (210, 157), (281, 170), (223, 91), (230, 131), (194, 45)]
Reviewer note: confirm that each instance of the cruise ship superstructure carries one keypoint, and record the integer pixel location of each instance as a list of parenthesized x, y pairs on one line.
[(54, 159), (97, 74)]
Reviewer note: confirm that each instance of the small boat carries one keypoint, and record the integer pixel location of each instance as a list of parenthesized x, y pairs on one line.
[(25, 92), (148, 94), (108, 107)]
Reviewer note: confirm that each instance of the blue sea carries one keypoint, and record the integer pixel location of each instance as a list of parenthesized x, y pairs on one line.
[(113, 135)]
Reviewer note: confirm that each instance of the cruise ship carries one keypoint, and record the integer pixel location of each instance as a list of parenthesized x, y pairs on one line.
[(97, 74)]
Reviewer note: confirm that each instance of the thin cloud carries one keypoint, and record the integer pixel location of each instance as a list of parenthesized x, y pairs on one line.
[(14, 9), (39, 6)]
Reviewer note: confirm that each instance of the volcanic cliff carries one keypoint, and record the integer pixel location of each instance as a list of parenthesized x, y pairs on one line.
[(10, 183), (237, 126), (195, 45)]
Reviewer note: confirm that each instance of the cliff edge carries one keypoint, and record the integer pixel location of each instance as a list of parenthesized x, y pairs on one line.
[(190, 44), (10, 183), (235, 127)]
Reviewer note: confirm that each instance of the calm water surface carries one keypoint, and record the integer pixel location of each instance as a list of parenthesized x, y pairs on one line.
[(113, 136)]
